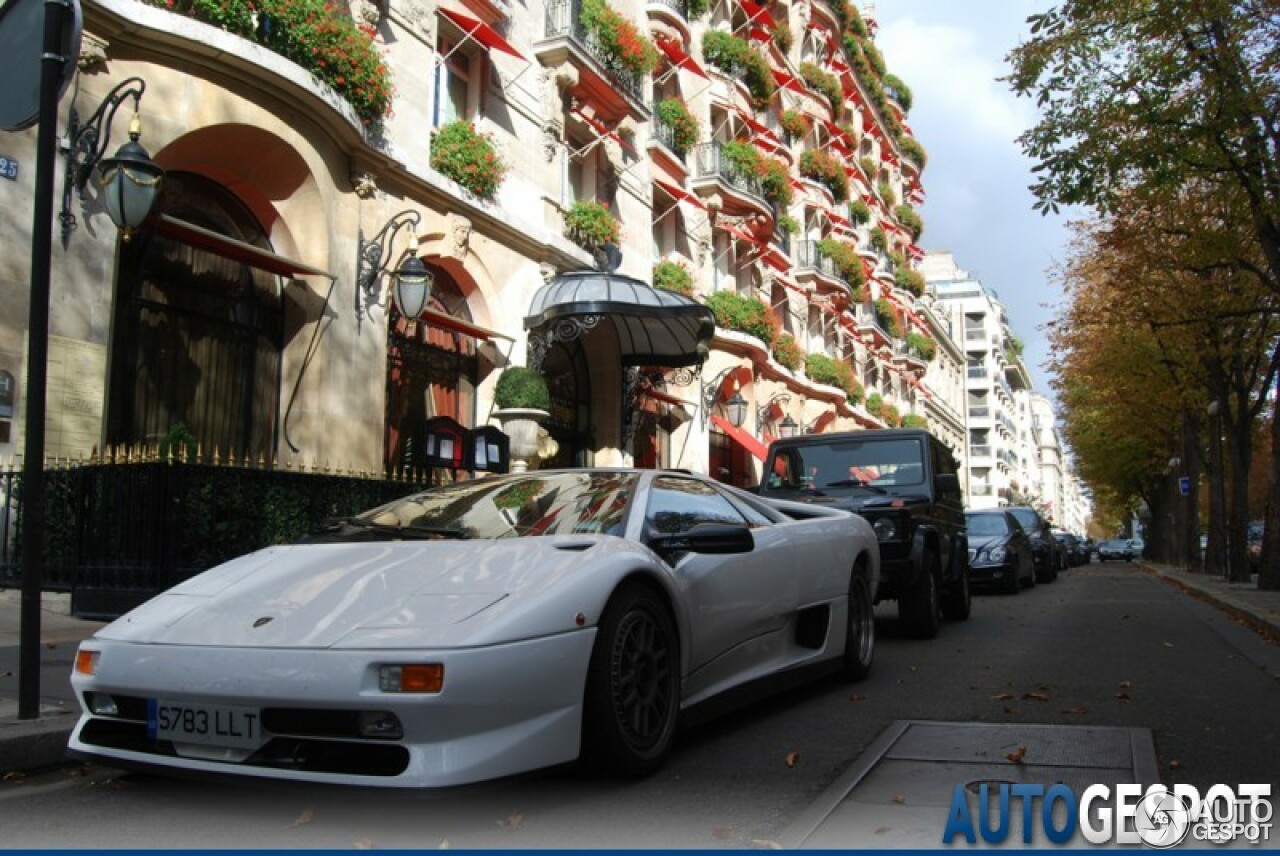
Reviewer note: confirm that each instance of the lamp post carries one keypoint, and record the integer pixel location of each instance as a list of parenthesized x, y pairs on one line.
[(134, 180), (410, 283)]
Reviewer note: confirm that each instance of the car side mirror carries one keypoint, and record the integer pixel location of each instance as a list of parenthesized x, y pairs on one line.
[(712, 538)]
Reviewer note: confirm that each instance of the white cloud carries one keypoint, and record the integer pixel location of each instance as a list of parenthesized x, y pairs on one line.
[(950, 73)]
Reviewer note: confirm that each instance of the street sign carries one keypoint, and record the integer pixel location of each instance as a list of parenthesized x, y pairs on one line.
[(1184, 485), (21, 55)]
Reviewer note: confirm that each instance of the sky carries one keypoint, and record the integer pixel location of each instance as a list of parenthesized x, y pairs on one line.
[(977, 205)]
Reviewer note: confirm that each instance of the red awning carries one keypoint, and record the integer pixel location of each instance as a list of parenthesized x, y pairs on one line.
[(676, 53), (759, 128), (447, 322), (743, 438), (789, 81), (836, 218), (776, 259), (680, 194), (230, 248), (760, 34), (603, 130), (482, 33), (824, 419), (739, 234), (757, 14)]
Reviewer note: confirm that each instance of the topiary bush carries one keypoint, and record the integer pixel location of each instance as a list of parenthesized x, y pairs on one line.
[(522, 387)]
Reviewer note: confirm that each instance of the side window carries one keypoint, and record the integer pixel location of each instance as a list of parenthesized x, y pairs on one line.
[(459, 71), (678, 504)]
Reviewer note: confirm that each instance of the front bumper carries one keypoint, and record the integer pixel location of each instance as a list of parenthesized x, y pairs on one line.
[(504, 709)]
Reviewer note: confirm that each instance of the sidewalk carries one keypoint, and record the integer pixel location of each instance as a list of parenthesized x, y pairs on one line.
[(32, 744), (35, 743)]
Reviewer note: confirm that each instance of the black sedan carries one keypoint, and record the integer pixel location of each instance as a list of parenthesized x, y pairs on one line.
[(999, 551), (1117, 549)]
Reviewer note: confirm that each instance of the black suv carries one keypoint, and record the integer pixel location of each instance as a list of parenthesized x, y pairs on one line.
[(903, 481)]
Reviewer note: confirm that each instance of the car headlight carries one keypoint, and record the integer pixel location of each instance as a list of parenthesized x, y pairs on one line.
[(886, 528), (998, 553)]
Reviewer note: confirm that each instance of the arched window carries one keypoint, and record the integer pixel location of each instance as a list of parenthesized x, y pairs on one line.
[(197, 337)]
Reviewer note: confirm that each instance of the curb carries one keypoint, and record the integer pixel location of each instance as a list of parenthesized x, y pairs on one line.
[(32, 745), (1252, 620)]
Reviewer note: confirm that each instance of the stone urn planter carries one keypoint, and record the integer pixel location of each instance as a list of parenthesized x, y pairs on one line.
[(522, 425)]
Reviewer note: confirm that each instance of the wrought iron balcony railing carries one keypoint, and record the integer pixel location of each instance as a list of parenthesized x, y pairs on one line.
[(564, 18), (667, 136), (711, 162), (807, 255)]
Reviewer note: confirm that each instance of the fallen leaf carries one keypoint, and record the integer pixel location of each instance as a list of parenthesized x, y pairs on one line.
[(303, 818), (15, 776), (1003, 697), (1168, 644), (792, 759), (362, 844), (765, 844), (1016, 757), (51, 645), (722, 833), (1175, 765), (911, 668), (900, 799), (856, 697), (513, 821), (1008, 709), (1035, 696), (881, 830), (444, 845), (1078, 710), (1124, 685), (1122, 696)]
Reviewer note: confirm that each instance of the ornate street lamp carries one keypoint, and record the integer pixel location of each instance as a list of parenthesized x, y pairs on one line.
[(410, 283), (129, 182)]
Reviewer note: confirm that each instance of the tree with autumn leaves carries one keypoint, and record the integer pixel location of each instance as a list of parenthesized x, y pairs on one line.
[(1168, 111)]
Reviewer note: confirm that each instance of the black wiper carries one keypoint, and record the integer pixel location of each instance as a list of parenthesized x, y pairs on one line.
[(857, 483)]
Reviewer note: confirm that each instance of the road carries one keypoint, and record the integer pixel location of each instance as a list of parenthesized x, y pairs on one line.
[(1104, 645)]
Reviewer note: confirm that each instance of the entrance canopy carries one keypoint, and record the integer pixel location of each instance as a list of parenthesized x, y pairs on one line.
[(654, 327)]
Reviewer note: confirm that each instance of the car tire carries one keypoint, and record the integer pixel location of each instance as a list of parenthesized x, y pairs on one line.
[(632, 697), (919, 608), (860, 638), (958, 601), (1013, 585)]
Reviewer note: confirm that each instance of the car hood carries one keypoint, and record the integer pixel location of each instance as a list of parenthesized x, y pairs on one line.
[(360, 595), (981, 542)]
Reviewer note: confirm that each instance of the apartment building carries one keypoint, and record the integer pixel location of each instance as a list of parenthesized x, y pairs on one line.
[(665, 207)]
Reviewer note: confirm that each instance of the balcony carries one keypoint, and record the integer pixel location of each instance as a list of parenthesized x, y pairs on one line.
[(614, 90), (674, 13), (661, 133), (712, 171)]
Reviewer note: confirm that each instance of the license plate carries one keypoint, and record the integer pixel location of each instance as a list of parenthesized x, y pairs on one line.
[(212, 724)]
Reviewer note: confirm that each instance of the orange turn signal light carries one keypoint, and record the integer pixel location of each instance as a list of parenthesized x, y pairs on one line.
[(87, 661), (412, 678)]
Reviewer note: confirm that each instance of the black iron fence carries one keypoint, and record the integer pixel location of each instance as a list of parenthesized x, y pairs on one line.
[(564, 18), (119, 533)]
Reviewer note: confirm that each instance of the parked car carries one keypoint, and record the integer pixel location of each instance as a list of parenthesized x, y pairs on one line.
[(1043, 545), (1000, 552), (1254, 543), (904, 482), (482, 629), (1071, 548), (1117, 549)]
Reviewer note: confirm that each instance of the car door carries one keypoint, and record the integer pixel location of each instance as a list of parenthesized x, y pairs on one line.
[(737, 604)]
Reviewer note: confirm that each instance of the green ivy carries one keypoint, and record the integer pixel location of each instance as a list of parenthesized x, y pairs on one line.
[(673, 276), (736, 57), (748, 315), (823, 81), (590, 224), (787, 352), (673, 113), (922, 345), (823, 369), (826, 169)]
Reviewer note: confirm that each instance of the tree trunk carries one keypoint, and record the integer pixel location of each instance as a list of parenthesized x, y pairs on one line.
[(1269, 568), (1189, 544), (1215, 559), (1239, 449)]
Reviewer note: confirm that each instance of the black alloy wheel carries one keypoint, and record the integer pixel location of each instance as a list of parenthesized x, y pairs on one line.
[(860, 638), (631, 701), (918, 607)]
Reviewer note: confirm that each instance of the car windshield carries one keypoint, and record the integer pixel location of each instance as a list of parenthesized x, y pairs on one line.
[(1029, 519), (848, 465), (530, 504), (987, 524)]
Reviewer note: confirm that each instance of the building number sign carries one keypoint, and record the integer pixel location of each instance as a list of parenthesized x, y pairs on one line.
[(8, 167)]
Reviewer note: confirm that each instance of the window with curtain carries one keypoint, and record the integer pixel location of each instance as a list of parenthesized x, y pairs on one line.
[(197, 337)]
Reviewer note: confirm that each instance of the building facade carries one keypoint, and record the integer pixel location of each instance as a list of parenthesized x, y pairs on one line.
[(752, 163)]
